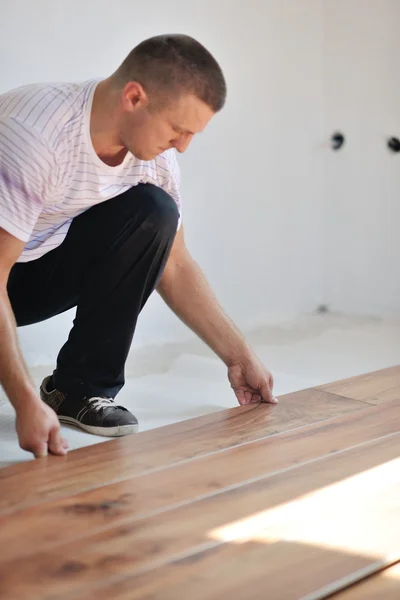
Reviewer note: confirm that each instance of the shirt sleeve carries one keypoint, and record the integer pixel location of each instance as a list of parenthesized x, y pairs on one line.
[(26, 168), (173, 182)]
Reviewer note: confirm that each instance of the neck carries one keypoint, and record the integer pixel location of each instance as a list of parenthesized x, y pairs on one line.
[(103, 125)]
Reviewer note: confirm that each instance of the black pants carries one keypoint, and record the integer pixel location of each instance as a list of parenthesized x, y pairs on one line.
[(108, 265)]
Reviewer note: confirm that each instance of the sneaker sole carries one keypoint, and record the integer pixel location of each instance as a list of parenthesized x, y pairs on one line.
[(117, 431)]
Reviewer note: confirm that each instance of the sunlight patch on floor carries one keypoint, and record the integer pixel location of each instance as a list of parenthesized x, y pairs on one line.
[(359, 514)]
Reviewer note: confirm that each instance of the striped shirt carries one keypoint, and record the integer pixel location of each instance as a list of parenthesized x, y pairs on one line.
[(49, 170)]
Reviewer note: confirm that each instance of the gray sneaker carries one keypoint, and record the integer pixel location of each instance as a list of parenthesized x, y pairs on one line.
[(100, 416)]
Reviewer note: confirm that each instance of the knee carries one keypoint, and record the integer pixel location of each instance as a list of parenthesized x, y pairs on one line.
[(162, 213)]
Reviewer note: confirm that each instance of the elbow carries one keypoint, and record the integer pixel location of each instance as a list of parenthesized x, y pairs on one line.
[(175, 270), (167, 278)]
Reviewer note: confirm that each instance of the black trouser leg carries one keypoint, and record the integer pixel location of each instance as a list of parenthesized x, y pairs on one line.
[(108, 265)]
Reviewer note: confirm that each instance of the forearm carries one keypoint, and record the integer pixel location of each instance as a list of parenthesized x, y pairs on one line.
[(187, 292), (14, 375)]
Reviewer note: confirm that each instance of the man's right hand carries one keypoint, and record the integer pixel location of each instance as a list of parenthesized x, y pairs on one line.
[(38, 429)]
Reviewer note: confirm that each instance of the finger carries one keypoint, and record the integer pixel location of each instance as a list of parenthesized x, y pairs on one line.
[(55, 443), (240, 396), (256, 398), (65, 443), (248, 396), (266, 393), (40, 450)]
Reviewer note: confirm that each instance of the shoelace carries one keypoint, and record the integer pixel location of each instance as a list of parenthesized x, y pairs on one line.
[(97, 402)]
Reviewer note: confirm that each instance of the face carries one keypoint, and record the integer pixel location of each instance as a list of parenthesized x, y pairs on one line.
[(147, 133)]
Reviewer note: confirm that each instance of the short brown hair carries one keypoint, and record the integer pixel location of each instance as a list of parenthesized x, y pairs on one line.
[(172, 64)]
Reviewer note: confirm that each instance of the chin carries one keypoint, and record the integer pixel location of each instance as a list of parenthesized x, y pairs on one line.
[(146, 155), (140, 154)]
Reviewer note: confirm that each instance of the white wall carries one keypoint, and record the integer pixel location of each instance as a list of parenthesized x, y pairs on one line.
[(362, 181), (252, 183)]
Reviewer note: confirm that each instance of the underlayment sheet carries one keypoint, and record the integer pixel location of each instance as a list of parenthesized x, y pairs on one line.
[(177, 381)]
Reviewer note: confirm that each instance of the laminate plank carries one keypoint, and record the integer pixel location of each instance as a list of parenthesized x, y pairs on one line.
[(362, 484), (30, 483), (293, 571), (59, 521), (384, 585), (238, 573), (375, 388)]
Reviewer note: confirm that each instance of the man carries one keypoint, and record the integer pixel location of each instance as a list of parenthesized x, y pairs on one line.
[(90, 217)]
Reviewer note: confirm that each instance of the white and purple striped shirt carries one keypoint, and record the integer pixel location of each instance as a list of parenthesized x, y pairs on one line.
[(49, 170)]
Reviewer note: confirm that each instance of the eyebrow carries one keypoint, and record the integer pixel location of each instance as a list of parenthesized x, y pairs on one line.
[(184, 130)]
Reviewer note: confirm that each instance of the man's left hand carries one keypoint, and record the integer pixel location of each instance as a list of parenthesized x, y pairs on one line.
[(251, 381)]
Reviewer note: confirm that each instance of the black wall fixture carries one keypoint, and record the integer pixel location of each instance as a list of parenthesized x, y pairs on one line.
[(394, 144), (337, 140)]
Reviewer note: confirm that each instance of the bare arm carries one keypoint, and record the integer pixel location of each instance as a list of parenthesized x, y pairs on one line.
[(14, 374), (186, 291)]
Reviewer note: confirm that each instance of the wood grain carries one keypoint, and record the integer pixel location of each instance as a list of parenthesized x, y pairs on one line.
[(280, 571), (27, 484), (184, 532), (384, 585), (375, 388), (56, 522)]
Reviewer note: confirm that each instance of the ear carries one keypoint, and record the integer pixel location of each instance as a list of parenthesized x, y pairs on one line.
[(134, 96)]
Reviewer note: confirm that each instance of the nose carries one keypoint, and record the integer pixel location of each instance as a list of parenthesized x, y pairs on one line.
[(182, 143)]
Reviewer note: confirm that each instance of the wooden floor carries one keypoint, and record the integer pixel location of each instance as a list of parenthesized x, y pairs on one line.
[(298, 500)]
